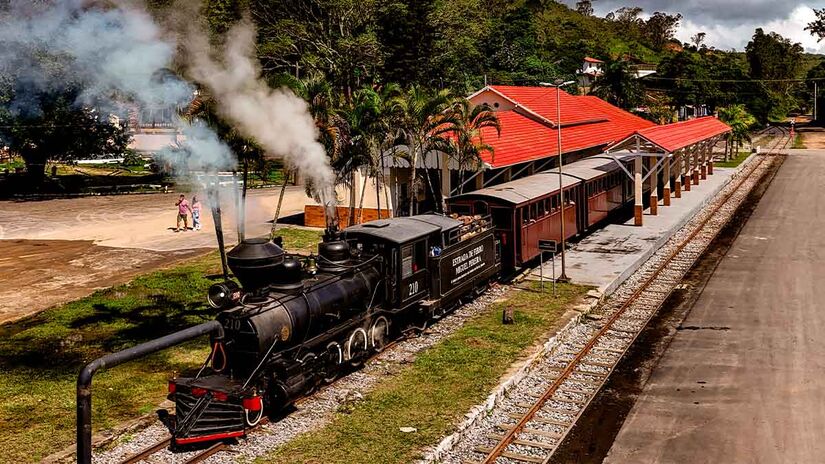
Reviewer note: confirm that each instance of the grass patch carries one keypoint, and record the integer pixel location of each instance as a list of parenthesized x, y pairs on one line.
[(300, 240), (733, 162), (434, 392), (798, 142), (40, 357)]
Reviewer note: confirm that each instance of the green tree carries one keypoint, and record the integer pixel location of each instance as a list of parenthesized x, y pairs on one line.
[(407, 36), (54, 127), (467, 141), (585, 7), (773, 60), (815, 74), (741, 122), (422, 121), (619, 86), (817, 26), (660, 28), (334, 39)]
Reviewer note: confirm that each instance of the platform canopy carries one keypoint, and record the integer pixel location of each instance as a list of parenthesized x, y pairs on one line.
[(669, 138)]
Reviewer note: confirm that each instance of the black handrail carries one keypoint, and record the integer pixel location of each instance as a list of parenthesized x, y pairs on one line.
[(84, 379)]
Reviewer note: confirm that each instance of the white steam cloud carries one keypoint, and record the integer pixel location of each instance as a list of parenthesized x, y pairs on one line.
[(276, 118), (112, 55), (203, 150)]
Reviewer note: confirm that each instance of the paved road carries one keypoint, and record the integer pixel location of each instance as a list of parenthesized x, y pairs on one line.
[(744, 380)]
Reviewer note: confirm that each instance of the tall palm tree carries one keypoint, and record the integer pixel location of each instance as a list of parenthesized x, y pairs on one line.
[(740, 122), (371, 124), (467, 141), (332, 127), (423, 120)]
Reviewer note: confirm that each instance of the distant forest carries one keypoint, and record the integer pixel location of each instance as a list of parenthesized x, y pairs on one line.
[(461, 44)]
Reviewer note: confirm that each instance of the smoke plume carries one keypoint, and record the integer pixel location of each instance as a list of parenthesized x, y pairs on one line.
[(276, 118), (114, 56)]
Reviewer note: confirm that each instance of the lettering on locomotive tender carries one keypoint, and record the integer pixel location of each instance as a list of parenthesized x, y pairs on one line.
[(466, 263)]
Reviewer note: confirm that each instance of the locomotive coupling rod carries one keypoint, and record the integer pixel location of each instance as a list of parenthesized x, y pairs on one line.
[(84, 379)]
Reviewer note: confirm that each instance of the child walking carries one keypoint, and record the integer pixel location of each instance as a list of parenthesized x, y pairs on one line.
[(196, 213)]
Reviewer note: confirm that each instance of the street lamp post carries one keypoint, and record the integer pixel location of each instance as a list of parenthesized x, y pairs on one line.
[(558, 84)]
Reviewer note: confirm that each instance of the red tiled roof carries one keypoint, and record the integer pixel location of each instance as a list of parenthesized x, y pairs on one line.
[(592, 60), (672, 137), (524, 138), (542, 101)]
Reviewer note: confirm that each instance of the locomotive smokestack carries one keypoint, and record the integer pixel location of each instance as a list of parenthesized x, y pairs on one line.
[(215, 203), (333, 228)]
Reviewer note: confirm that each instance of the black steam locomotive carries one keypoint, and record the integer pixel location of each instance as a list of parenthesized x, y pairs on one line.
[(300, 321)]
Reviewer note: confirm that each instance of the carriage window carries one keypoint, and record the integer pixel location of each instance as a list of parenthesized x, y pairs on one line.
[(413, 259), (502, 218), (461, 209)]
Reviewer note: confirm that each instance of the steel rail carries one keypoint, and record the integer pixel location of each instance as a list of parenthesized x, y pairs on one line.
[(510, 435)]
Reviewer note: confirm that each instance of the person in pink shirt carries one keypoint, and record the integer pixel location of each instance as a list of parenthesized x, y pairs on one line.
[(196, 213), (183, 213)]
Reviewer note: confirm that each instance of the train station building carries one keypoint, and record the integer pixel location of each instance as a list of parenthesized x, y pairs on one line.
[(531, 119)]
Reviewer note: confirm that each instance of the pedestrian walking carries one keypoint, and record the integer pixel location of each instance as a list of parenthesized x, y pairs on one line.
[(196, 213), (183, 213)]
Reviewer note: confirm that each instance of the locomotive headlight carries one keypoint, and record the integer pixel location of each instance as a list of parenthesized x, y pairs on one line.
[(223, 295)]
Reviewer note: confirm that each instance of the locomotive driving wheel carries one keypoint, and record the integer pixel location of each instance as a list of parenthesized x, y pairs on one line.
[(356, 347), (309, 365), (335, 357), (379, 334)]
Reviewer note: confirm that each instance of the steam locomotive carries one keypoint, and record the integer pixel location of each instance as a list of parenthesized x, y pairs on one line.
[(297, 322)]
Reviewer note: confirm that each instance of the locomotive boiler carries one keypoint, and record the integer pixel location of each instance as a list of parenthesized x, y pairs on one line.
[(297, 322)]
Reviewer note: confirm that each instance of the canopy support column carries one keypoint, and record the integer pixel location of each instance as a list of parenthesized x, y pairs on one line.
[(677, 184), (687, 154), (638, 206), (654, 187), (666, 180), (695, 165), (710, 158)]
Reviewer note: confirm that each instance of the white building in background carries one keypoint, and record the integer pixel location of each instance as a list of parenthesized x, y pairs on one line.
[(591, 69)]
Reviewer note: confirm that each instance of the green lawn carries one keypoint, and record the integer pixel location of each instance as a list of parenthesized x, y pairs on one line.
[(40, 357), (435, 391), (733, 162)]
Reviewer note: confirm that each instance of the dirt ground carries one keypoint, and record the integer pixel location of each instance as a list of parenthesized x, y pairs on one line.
[(59, 250), (38, 274), (813, 137)]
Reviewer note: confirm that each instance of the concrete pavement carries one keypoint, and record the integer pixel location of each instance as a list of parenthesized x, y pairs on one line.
[(608, 256), (743, 379)]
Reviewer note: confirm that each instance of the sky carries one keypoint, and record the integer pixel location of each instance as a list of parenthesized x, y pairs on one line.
[(730, 23)]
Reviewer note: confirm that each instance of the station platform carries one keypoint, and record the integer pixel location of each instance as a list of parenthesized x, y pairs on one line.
[(742, 379), (607, 257)]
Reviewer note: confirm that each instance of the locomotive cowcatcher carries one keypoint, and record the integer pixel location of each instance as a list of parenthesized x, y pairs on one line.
[(300, 321)]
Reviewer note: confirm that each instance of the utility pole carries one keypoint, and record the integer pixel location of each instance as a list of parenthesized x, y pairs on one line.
[(815, 98), (558, 84)]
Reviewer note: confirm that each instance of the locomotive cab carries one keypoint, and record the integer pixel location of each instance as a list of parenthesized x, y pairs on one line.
[(432, 259)]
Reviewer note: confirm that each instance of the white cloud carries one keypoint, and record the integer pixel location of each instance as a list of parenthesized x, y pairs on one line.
[(726, 36)]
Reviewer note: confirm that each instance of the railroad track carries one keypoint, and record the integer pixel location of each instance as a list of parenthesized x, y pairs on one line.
[(535, 429)]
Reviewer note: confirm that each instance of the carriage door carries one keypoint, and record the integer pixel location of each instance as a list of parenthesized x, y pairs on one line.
[(414, 283)]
